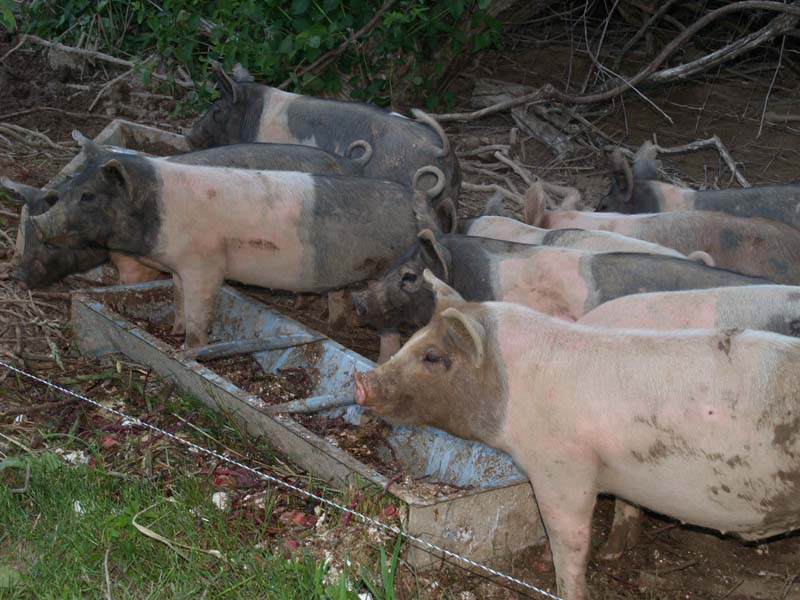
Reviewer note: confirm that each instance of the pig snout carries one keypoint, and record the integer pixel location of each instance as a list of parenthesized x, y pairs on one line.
[(195, 139), (360, 305), (366, 305), (361, 389)]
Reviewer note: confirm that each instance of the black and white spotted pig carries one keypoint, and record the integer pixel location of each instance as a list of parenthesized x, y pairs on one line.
[(277, 229), (638, 190), (253, 112), (561, 282), (38, 264)]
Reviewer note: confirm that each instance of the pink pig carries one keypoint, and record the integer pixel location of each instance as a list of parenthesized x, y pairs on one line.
[(702, 425)]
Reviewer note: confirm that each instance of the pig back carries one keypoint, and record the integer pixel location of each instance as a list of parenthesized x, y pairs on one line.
[(354, 229), (400, 145), (615, 274), (271, 157)]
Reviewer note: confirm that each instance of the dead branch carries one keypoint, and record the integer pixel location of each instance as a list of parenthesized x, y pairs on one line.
[(94, 55), (549, 92), (107, 87), (328, 57), (491, 187), (774, 117), (641, 32), (778, 26), (712, 142)]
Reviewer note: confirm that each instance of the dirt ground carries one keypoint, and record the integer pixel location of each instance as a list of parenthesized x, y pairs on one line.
[(671, 561)]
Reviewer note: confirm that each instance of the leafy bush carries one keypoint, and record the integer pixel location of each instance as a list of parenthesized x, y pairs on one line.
[(275, 39)]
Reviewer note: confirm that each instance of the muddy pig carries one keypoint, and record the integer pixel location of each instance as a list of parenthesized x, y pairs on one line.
[(773, 308), (700, 425), (252, 112), (639, 191), (504, 228), (38, 265), (759, 247), (561, 282), (277, 229)]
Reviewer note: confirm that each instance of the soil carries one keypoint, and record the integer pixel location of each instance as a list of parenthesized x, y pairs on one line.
[(671, 561)]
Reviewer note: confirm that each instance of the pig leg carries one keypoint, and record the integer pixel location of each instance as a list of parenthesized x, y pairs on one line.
[(624, 533), (338, 305), (391, 342), (179, 323), (200, 288), (566, 503)]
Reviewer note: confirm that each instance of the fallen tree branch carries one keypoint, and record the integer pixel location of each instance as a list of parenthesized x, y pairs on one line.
[(26, 37), (778, 26), (549, 92), (328, 57), (712, 142)]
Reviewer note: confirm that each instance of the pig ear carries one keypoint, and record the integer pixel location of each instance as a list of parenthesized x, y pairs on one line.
[(19, 191), (469, 333), (240, 74), (91, 149), (445, 296), (115, 170), (227, 85), (535, 204), (621, 177), (435, 251), (446, 211), (646, 163)]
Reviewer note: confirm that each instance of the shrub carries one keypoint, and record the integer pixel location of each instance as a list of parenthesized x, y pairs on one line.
[(275, 39)]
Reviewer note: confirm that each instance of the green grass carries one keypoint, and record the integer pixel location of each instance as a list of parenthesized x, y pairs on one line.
[(50, 550)]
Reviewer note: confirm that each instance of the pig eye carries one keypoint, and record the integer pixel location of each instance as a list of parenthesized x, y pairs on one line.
[(409, 278), (432, 357), (87, 198)]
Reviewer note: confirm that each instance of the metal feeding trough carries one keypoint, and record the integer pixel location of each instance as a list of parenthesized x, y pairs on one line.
[(462, 496)]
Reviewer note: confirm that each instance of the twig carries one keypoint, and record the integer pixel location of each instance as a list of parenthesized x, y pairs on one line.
[(328, 57), (526, 175), (107, 86), (771, 85), (714, 142), (14, 49), (108, 579), (731, 589), (97, 55), (638, 35), (776, 118), (486, 150), (788, 585), (491, 187)]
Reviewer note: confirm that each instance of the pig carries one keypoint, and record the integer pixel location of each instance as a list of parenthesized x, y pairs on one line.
[(754, 246), (252, 112), (504, 228), (279, 229), (561, 282), (38, 265), (702, 425), (773, 308), (639, 191)]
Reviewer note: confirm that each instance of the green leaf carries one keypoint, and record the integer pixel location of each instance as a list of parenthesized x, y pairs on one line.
[(300, 7)]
